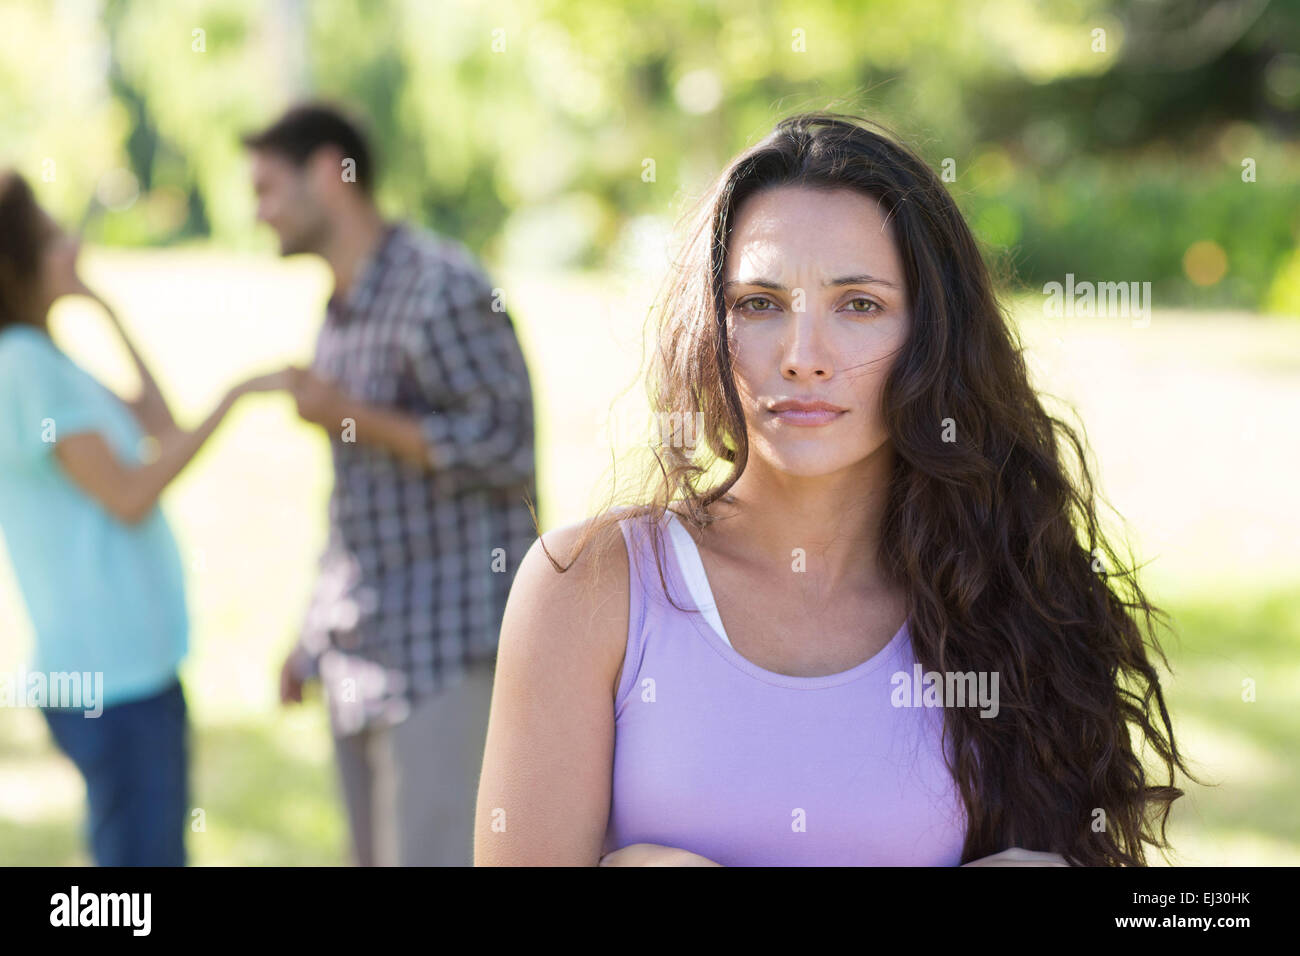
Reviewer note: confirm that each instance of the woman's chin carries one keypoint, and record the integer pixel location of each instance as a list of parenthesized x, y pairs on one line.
[(812, 464)]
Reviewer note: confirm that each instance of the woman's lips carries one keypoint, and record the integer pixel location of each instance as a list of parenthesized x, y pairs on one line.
[(807, 417)]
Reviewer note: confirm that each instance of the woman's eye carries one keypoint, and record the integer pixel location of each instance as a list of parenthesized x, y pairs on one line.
[(753, 305), (863, 305)]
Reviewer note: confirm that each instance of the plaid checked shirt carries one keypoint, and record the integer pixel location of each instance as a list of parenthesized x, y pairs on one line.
[(414, 579)]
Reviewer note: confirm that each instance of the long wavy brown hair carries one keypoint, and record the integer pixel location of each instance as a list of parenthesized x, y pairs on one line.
[(995, 537)]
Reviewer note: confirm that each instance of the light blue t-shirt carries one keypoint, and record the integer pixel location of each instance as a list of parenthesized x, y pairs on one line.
[(103, 595)]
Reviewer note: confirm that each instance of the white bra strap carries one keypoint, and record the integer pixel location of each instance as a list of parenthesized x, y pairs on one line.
[(692, 568)]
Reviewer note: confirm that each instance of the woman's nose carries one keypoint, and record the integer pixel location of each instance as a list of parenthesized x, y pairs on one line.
[(806, 355)]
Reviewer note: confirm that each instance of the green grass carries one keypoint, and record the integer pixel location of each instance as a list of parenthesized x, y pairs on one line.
[(1191, 418)]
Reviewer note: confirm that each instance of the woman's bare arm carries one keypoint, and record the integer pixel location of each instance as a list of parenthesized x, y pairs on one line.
[(149, 407), (544, 793), (129, 492)]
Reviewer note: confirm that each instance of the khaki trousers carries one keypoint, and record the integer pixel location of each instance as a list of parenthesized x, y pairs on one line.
[(410, 790)]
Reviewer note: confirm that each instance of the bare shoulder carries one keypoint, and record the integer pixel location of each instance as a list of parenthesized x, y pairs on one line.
[(548, 757), (579, 616)]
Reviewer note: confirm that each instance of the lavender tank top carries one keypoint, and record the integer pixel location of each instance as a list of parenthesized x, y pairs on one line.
[(716, 755)]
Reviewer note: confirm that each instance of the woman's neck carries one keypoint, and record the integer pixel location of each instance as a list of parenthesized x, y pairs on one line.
[(827, 526)]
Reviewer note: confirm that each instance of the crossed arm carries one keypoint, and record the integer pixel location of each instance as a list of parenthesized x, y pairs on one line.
[(651, 854)]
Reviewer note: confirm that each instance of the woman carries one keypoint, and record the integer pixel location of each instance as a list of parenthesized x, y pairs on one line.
[(92, 552), (745, 677)]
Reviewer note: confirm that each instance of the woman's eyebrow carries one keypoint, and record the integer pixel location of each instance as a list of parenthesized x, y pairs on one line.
[(863, 279), (761, 283)]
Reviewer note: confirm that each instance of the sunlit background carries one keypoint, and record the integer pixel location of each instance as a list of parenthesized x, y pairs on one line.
[(1150, 142)]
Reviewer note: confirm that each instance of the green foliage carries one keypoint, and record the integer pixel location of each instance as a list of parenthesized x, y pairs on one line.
[(1136, 222), (524, 128)]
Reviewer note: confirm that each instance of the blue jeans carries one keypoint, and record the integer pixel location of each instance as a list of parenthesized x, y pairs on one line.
[(134, 759)]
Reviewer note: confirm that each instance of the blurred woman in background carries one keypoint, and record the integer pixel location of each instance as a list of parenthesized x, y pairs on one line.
[(93, 555)]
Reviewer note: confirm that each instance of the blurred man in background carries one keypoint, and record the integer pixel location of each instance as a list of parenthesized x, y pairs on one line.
[(421, 384)]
